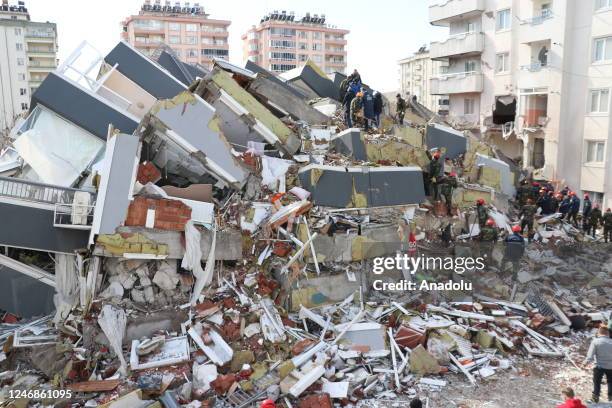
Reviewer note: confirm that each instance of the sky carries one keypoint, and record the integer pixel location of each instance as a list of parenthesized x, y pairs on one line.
[(382, 32)]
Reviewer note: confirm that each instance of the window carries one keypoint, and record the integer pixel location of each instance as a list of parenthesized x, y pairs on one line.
[(191, 39), (281, 67), (23, 91), (303, 46), (303, 34), (599, 99), (17, 31), (317, 58), (192, 52), (19, 46), (470, 66), (303, 57), (602, 49), (178, 52), (282, 44), (599, 4), (595, 151), (24, 106), (502, 63), (282, 56), (207, 52), (21, 77), (596, 197), (20, 61), (504, 20), (316, 35), (175, 39), (191, 27), (283, 32), (468, 106), (174, 26), (317, 47), (470, 28)]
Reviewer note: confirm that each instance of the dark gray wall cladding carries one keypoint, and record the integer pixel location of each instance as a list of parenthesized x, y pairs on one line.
[(26, 226), (442, 136), (23, 295), (80, 107), (337, 78), (172, 66), (350, 143), (381, 186), (251, 66), (235, 129), (143, 72), (321, 86)]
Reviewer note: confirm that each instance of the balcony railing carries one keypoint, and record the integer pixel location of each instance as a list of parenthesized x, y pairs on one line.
[(539, 19), (32, 191), (534, 66), (74, 216)]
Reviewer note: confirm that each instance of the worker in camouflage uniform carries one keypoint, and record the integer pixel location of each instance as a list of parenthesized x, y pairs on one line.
[(400, 108), (594, 219), (528, 212), (482, 212), (448, 186), (523, 192), (357, 109), (488, 236), (435, 167), (607, 223)]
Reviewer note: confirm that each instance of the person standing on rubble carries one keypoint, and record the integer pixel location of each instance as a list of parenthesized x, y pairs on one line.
[(488, 237), (435, 168), (378, 107), (564, 206), (554, 201), (514, 250), (368, 108), (357, 108), (522, 193), (482, 212), (574, 209), (544, 202), (346, 103), (448, 186), (586, 210), (607, 224), (528, 213), (400, 108), (570, 400), (600, 351), (595, 218)]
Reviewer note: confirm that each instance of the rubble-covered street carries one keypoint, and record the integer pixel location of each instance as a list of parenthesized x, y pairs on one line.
[(178, 237)]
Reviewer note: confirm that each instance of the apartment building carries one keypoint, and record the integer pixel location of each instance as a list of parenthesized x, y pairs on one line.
[(282, 42), (534, 77), (187, 29), (28, 52), (415, 73)]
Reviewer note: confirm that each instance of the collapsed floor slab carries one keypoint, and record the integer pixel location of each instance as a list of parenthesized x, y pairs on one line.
[(448, 138), (356, 187)]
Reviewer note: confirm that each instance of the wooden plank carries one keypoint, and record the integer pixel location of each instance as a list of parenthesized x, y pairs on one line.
[(94, 386)]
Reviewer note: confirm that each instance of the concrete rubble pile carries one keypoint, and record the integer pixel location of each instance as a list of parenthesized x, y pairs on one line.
[(213, 244)]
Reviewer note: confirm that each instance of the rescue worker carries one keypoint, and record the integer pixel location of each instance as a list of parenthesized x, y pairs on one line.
[(349, 95), (573, 209), (448, 186), (482, 212), (378, 107), (400, 108), (488, 236), (555, 200), (357, 108), (586, 210), (355, 77), (594, 220), (528, 212), (544, 202), (600, 353), (522, 193), (564, 206), (565, 191), (267, 404), (607, 223), (435, 167), (535, 191), (514, 250)]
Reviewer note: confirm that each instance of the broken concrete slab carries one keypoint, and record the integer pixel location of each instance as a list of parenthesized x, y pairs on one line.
[(350, 142), (446, 137), (363, 187), (504, 182)]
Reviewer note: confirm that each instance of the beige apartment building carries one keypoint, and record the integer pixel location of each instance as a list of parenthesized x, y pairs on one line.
[(534, 76), (186, 28), (28, 52), (415, 73), (282, 42)]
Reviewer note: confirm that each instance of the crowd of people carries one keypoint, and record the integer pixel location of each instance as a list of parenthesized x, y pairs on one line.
[(362, 106)]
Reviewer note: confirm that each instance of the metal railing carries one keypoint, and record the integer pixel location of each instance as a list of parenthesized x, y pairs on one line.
[(534, 66), (36, 192), (539, 19), (75, 216)]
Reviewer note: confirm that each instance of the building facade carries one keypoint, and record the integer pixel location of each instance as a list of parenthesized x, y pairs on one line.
[(415, 74), (533, 76), (282, 42), (188, 30), (28, 52)]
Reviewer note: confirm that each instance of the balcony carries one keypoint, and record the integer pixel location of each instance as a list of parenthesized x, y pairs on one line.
[(442, 12), (534, 75), (537, 28), (457, 83), (463, 44), (44, 51), (41, 66)]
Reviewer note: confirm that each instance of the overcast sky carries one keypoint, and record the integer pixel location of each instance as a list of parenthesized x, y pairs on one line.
[(382, 31)]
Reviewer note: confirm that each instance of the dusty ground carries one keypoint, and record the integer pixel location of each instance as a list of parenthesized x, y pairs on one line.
[(529, 383)]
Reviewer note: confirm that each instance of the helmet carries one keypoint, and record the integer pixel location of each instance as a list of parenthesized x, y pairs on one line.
[(536, 184), (608, 210), (360, 94), (571, 193), (586, 195), (398, 96), (453, 174), (436, 155), (490, 222), (516, 228), (267, 404), (480, 201)]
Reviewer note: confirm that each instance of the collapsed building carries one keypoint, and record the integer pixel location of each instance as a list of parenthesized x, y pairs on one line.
[(202, 237)]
